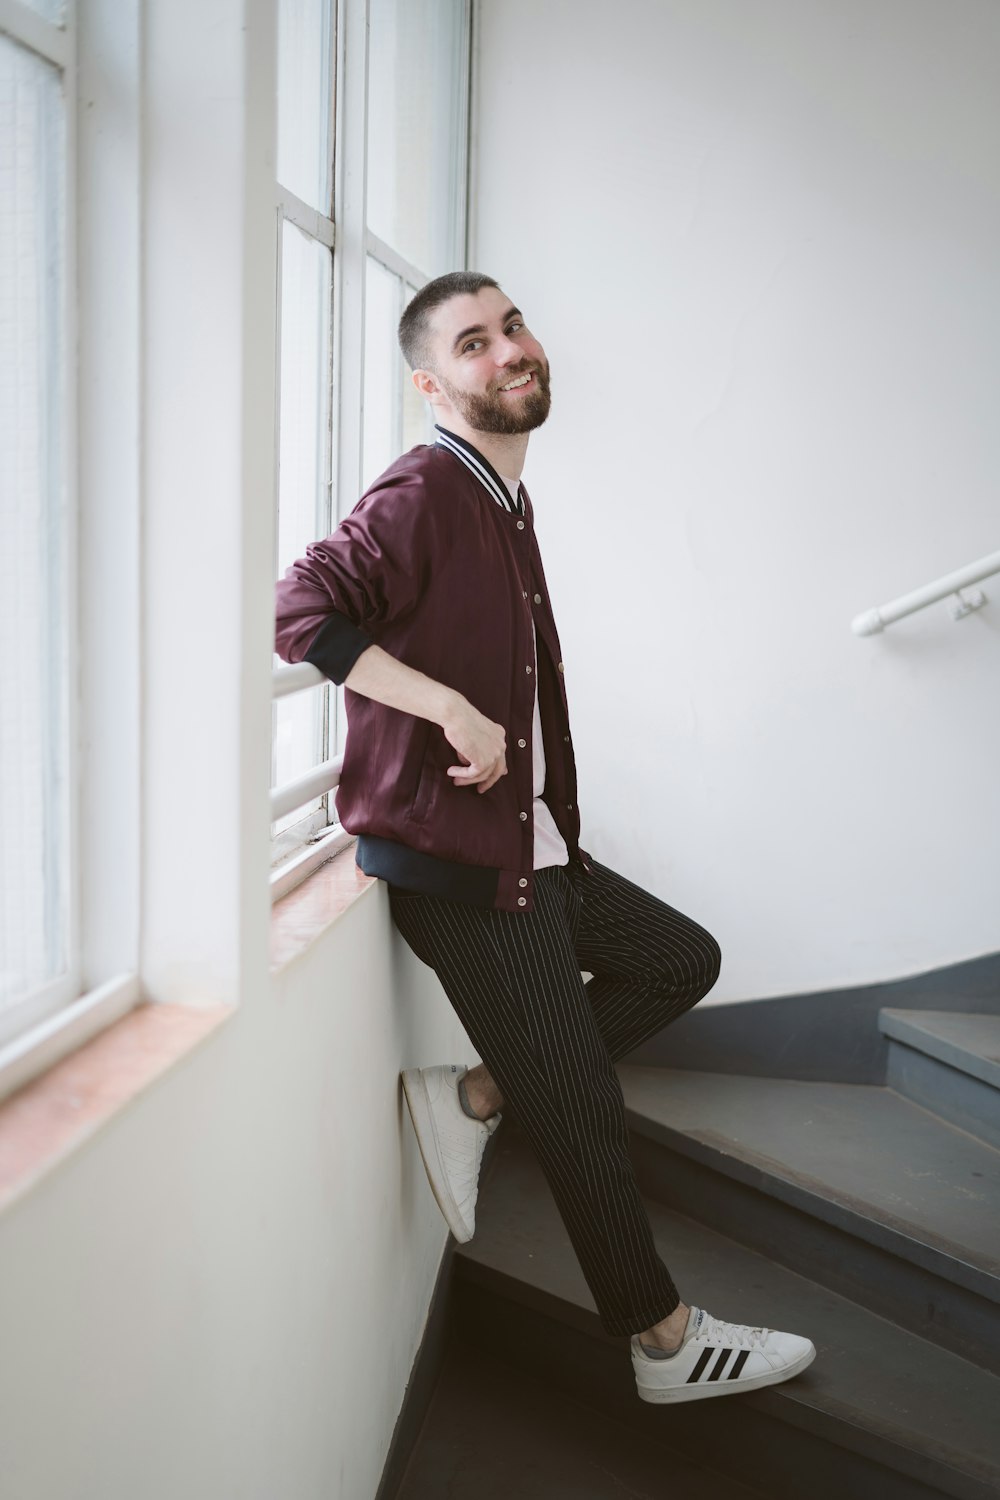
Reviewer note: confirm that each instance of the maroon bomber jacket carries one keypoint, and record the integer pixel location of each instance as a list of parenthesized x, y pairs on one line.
[(434, 571)]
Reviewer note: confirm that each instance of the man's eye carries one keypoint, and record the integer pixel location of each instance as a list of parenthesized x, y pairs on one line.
[(472, 344), (515, 327)]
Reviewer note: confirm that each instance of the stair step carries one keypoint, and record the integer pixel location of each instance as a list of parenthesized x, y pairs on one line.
[(881, 1413), (948, 1062), (848, 1182), (493, 1432)]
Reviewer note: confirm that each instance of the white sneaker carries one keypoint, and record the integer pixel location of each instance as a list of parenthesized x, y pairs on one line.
[(719, 1359), (451, 1143)]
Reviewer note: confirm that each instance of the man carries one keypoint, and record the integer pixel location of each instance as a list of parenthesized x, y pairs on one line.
[(430, 604)]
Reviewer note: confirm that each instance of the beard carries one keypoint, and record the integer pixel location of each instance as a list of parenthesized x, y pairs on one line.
[(495, 412)]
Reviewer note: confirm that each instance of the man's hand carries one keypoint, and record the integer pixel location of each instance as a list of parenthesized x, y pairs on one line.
[(481, 744)]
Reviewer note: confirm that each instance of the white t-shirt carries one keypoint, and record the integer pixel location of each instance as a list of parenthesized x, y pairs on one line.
[(550, 846)]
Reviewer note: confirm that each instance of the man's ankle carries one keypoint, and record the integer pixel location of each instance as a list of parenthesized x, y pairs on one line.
[(669, 1333), (482, 1093)]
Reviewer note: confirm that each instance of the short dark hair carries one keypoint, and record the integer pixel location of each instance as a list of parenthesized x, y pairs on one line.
[(413, 325)]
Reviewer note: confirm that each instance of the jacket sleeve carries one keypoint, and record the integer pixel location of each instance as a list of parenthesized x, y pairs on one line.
[(333, 603)]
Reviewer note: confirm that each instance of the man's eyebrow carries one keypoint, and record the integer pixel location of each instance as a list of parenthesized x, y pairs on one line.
[(512, 312)]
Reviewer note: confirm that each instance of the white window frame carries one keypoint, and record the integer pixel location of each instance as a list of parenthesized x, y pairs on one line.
[(351, 242), (97, 47), (300, 848)]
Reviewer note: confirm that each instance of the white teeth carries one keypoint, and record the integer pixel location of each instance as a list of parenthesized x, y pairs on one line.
[(521, 380)]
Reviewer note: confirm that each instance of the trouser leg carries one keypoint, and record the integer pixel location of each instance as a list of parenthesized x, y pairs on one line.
[(649, 962), (514, 981)]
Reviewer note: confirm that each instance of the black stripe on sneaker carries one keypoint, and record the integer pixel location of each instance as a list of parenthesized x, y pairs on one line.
[(720, 1364), (740, 1361), (706, 1355)]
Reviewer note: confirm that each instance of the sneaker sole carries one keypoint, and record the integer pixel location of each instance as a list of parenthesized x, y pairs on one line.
[(422, 1116), (673, 1393)]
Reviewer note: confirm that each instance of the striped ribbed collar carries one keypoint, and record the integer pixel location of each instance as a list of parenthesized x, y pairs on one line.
[(482, 468)]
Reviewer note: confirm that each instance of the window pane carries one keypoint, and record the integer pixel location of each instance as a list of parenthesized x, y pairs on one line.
[(382, 361), (416, 129), (34, 768), (49, 10), (417, 425), (298, 722), (305, 100), (304, 470), (304, 436)]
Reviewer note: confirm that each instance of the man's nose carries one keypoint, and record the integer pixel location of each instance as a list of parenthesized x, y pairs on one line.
[(507, 352)]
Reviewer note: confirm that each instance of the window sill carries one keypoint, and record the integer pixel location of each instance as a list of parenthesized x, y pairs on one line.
[(305, 913), (46, 1120)]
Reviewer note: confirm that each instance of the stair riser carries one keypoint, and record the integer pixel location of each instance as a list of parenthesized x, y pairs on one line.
[(952, 1316), (954, 1096), (737, 1436)]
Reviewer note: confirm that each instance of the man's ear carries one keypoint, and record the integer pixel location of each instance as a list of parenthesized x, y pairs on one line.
[(426, 384)]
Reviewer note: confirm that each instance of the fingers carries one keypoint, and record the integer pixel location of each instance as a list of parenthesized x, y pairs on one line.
[(485, 776), (466, 775), (499, 770)]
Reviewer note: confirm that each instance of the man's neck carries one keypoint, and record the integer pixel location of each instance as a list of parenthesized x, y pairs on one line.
[(505, 451)]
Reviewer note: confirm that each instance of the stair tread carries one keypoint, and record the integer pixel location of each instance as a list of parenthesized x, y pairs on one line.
[(970, 1043), (870, 1380), (492, 1432), (859, 1149)]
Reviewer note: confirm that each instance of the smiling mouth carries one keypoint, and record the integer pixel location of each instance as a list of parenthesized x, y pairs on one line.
[(520, 382)]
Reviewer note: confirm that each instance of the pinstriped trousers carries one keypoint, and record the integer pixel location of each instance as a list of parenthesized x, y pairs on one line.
[(550, 1042)]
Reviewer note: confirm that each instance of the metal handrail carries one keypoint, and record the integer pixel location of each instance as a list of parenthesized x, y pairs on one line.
[(295, 679), (322, 778), (871, 621)]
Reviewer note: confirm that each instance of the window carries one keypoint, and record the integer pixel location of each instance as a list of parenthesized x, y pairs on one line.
[(363, 222), (415, 211), (38, 918), (303, 723), (69, 552)]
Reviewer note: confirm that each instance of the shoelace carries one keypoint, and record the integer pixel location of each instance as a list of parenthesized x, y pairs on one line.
[(716, 1331)]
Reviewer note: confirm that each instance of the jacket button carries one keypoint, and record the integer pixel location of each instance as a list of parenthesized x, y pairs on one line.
[(561, 667), (522, 743), (538, 598), (528, 670), (522, 881), (520, 525), (525, 592), (522, 900), (569, 807), (523, 817), (565, 739)]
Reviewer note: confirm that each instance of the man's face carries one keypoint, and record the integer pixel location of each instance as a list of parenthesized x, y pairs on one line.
[(489, 368)]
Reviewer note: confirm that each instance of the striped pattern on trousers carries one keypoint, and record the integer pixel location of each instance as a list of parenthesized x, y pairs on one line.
[(550, 1042)]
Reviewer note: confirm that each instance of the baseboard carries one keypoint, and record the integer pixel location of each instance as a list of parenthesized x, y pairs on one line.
[(829, 1036)]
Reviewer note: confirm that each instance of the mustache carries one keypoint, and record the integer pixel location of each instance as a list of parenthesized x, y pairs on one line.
[(525, 369)]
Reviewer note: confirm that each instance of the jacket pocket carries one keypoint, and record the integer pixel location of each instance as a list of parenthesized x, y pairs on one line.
[(437, 756)]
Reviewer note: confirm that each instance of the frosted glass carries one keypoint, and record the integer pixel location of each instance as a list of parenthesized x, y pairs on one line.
[(396, 416), (416, 129), (49, 10), (417, 424), (381, 422), (303, 471), (34, 756), (304, 101)]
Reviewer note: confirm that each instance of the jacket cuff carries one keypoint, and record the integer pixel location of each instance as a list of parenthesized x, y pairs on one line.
[(336, 646)]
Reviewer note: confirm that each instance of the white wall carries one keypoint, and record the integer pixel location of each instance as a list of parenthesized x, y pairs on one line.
[(760, 243), (221, 1295)]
